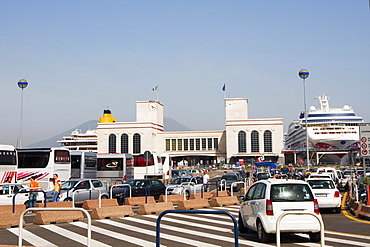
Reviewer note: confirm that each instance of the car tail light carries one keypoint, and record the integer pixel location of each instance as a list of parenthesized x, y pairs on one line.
[(337, 194), (124, 178), (269, 209), (316, 206)]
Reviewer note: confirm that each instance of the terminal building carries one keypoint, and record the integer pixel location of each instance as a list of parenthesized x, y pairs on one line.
[(242, 142)]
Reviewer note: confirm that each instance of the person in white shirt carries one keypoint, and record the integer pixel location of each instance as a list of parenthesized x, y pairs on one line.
[(205, 180)]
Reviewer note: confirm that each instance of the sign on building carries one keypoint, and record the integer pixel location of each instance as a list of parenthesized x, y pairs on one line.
[(365, 139)]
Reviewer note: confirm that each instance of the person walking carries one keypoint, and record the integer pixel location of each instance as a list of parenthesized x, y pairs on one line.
[(205, 180), (57, 187), (34, 185)]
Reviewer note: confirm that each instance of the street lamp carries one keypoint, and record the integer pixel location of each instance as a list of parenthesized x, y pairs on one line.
[(303, 73), (22, 83)]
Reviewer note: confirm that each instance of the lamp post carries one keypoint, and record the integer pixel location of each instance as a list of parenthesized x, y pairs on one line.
[(22, 83), (303, 74)]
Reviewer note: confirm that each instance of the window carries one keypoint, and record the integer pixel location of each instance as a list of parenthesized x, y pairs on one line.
[(267, 141), (97, 183), (204, 144), (124, 143), (137, 143), (242, 142), (173, 144), (186, 144), (197, 144), (260, 191), (179, 145), (249, 195), (191, 144), (168, 145), (255, 142), (112, 144), (209, 140), (215, 143)]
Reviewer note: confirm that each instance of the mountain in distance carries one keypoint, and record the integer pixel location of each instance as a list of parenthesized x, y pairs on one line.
[(169, 125)]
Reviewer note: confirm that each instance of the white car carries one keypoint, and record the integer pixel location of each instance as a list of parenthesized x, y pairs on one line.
[(266, 200), (7, 191), (328, 196)]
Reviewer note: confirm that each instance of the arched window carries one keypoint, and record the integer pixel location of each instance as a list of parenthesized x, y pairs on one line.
[(242, 142), (255, 144), (124, 143), (267, 141), (112, 144), (137, 144)]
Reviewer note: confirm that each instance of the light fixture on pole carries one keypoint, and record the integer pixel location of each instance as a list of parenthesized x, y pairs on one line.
[(22, 83), (303, 73)]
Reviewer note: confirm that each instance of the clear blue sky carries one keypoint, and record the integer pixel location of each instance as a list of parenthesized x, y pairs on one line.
[(80, 57)]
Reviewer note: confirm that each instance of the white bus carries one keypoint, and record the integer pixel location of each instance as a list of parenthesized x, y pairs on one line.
[(112, 167), (156, 167), (43, 163), (83, 164), (8, 163)]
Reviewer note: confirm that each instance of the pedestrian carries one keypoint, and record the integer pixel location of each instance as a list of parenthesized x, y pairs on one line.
[(8, 180), (57, 186), (33, 194), (205, 180)]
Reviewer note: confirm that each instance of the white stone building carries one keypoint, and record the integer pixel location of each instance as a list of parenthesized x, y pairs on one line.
[(243, 140)]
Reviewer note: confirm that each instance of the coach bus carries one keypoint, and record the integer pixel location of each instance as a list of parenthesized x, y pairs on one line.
[(43, 163), (83, 164), (8, 163)]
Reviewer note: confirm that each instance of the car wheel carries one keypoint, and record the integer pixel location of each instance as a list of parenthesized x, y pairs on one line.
[(263, 236), (187, 195), (104, 197), (68, 199), (315, 236), (242, 228)]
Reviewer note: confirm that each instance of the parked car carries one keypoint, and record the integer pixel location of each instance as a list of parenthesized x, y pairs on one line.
[(262, 176), (328, 196), (81, 190), (242, 174), (139, 187), (350, 174), (179, 173), (7, 191), (191, 184), (266, 200), (229, 179)]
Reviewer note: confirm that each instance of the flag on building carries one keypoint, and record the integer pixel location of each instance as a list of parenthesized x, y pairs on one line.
[(155, 88), (224, 87), (260, 159)]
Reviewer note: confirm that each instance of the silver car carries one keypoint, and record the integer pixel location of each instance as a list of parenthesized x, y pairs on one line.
[(81, 190)]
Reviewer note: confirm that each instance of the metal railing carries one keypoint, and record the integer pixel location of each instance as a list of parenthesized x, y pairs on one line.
[(322, 236), (221, 183), (26, 191), (232, 186), (158, 228), (20, 234)]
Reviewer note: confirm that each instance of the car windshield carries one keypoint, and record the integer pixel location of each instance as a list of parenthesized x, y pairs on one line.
[(321, 184), (263, 175), (68, 185), (229, 177), (138, 183), (180, 180), (291, 192)]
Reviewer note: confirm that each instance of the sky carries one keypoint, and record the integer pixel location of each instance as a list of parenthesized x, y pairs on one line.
[(81, 57)]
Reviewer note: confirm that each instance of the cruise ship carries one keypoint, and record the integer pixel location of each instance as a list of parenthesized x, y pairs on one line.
[(329, 129)]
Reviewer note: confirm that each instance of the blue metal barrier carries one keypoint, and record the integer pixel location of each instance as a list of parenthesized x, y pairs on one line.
[(158, 228), (27, 191)]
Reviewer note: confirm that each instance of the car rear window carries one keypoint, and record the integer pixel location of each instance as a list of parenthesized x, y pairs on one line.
[(321, 184), (291, 192)]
